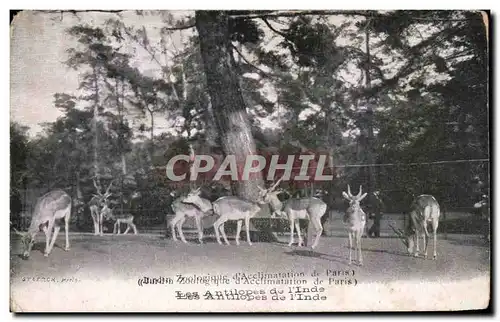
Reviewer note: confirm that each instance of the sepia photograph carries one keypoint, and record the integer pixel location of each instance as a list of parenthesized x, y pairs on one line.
[(250, 161)]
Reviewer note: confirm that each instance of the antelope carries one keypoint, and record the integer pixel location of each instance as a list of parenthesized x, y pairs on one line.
[(183, 208), (50, 209), (295, 209), (355, 221), (229, 208), (95, 204), (128, 219), (424, 210)]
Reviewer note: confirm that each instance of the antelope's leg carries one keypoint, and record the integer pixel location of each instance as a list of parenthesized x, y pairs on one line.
[(134, 228), (100, 219), (66, 228), (247, 226), (434, 233), (93, 214), (297, 228), (173, 223), (359, 235), (119, 226), (54, 237), (426, 243), (318, 229), (127, 230), (197, 219), (417, 249), (239, 223), (48, 234), (179, 228), (292, 223), (223, 231), (350, 247), (217, 223), (115, 227)]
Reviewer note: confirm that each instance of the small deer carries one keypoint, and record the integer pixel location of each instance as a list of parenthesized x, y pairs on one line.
[(355, 221), (424, 210), (128, 219)]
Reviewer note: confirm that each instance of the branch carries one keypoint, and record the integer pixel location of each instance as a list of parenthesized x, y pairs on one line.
[(291, 13), (260, 71), (362, 13), (153, 57), (180, 27)]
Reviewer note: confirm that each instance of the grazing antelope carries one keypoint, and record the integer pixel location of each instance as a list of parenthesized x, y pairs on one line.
[(424, 210), (183, 208), (95, 205), (128, 219), (295, 209), (355, 221), (50, 209)]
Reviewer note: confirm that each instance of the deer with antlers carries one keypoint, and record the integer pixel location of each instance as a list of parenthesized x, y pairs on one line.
[(295, 209), (424, 210), (50, 209), (183, 209), (355, 221), (95, 205)]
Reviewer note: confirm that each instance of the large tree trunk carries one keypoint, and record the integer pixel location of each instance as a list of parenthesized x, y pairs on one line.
[(227, 101)]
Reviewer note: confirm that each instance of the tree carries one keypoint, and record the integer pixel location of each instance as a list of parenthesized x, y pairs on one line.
[(227, 101)]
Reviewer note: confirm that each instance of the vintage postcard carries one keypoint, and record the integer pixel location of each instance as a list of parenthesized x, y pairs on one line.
[(249, 161)]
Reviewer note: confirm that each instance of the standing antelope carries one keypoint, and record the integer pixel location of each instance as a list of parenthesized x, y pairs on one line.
[(95, 205), (355, 221), (295, 209), (183, 208), (230, 208), (424, 210), (128, 219), (50, 209)]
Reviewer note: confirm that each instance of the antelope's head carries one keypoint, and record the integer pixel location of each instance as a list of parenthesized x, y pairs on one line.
[(194, 197), (27, 242), (407, 237), (270, 196), (354, 201)]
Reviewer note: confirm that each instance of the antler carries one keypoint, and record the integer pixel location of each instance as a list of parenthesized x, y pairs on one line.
[(396, 231), (17, 231), (349, 191), (261, 189), (107, 193), (276, 184), (97, 187), (360, 191)]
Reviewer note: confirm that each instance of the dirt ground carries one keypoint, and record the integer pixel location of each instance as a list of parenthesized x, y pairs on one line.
[(130, 256)]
